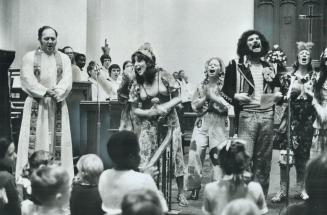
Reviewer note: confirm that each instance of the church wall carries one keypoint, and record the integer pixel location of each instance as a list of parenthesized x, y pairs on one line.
[(183, 33), (68, 17)]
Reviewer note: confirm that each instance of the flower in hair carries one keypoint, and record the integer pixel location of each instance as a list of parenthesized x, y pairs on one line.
[(304, 46), (146, 49)]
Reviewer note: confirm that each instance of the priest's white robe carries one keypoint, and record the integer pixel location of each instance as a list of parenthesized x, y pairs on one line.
[(46, 108)]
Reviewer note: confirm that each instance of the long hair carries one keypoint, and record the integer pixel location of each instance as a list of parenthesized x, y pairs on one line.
[(322, 77), (150, 68), (243, 49), (220, 74)]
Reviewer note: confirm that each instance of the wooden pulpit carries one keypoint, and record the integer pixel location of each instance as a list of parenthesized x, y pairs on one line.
[(6, 58), (81, 91), (96, 129)]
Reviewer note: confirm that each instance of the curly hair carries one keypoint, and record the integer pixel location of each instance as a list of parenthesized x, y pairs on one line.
[(243, 49)]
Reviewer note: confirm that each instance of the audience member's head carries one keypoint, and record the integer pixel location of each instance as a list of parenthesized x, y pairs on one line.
[(105, 60), (7, 149), (316, 180), (90, 167), (141, 202), (232, 157), (80, 60), (123, 149), (70, 52), (241, 207), (114, 71), (91, 69), (51, 186), (182, 75), (37, 159)]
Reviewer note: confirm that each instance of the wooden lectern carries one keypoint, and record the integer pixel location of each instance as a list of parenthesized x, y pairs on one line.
[(95, 134), (6, 58), (80, 91)]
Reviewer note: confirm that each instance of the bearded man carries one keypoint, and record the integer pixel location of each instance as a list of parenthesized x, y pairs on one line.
[(251, 87), (46, 76)]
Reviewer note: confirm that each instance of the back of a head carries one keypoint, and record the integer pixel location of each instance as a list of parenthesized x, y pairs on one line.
[(123, 149), (4, 145), (91, 166), (241, 207), (47, 181), (141, 202), (316, 181), (39, 158), (233, 158)]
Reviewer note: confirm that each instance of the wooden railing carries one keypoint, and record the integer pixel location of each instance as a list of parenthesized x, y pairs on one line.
[(162, 158)]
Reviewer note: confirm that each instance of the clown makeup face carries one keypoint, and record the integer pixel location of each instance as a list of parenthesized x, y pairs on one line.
[(304, 57), (213, 68), (48, 41), (140, 66), (254, 43)]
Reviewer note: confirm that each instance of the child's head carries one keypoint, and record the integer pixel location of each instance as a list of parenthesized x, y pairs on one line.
[(233, 158), (123, 149), (316, 179), (241, 207), (39, 158), (90, 167), (51, 186), (141, 202)]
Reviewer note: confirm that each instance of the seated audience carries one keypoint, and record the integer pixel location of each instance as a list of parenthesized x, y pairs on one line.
[(316, 186), (141, 202), (85, 197), (37, 159), (233, 161), (50, 191), (123, 149), (10, 203), (241, 207)]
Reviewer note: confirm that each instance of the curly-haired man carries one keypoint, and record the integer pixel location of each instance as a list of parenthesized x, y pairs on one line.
[(249, 85)]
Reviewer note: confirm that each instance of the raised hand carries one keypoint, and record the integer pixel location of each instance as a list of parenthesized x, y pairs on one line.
[(106, 48)]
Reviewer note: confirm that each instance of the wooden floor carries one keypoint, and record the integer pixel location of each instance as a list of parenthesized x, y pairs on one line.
[(194, 207)]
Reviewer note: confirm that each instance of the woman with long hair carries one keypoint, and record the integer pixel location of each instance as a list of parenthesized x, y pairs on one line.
[(154, 96), (320, 104), (211, 125)]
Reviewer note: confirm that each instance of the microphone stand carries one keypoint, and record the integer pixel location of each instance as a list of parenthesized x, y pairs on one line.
[(98, 114), (288, 149)]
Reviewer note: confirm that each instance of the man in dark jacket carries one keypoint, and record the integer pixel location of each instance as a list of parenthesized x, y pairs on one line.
[(7, 180), (250, 86)]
